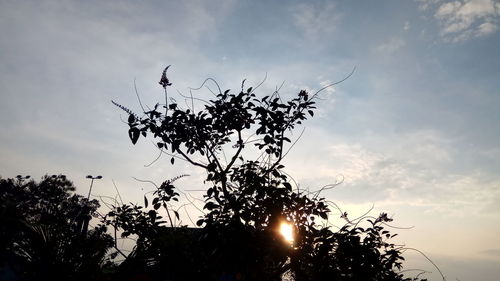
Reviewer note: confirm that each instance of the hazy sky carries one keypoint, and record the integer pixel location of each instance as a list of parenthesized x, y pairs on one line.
[(414, 132)]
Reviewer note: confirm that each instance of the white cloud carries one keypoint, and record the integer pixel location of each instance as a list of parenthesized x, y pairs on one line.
[(487, 28), (462, 20), (448, 8)]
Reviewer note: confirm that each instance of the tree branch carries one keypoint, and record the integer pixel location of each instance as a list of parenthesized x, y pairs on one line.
[(235, 156), (189, 159)]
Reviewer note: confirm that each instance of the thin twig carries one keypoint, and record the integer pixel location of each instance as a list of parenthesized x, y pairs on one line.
[(334, 83), (146, 181), (156, 159), (118, 192), (293, 144), (425, 256), (138, 97), (204, 82), (262, 82)]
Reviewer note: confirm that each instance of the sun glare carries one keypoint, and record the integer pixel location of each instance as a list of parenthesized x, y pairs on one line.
[(286, 230)]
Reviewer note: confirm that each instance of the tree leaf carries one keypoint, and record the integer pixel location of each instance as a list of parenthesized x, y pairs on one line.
[(133, 134), (323, 215), (210, 206), (131, 118), (287, 186)]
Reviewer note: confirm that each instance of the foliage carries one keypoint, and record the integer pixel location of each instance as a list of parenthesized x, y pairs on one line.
[(44, 230), (248, 199)]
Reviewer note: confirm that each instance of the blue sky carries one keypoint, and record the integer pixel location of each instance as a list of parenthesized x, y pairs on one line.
[(414, 132)]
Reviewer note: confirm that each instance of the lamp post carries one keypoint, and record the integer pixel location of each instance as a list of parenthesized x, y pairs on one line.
[(92, 182), (83, 221)]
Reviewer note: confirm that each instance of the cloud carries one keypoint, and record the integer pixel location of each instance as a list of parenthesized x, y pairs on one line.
[(330, 90), (425, 4), (316, 20), (411, 169), (390, 46), (64, 63), (487, 28), (463, 20), (406, 25)]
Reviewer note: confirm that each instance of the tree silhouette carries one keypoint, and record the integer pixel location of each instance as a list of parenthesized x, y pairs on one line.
[(42, 234), (247, 199), (45, 233)]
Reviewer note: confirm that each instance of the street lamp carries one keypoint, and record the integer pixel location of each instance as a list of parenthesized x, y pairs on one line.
[(92, 182), (84, 218)]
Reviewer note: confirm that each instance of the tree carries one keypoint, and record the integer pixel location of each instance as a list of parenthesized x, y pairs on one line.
[(42, 235), (248, 199)]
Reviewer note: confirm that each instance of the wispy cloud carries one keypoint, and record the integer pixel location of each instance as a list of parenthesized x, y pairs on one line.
[(316, 20), (390, 46), (425, 4), (329, 89), (409, 169), (466, 19), (406, 25)]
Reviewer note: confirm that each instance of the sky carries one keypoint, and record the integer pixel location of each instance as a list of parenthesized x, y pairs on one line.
[(414, 132)]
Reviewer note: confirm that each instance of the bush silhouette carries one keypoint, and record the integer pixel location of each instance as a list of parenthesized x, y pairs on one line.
[(44, 233)]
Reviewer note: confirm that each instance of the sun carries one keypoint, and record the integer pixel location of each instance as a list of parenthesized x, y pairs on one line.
[(286, 230)]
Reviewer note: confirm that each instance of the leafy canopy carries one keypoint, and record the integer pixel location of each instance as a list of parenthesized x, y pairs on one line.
[(45, 233)]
